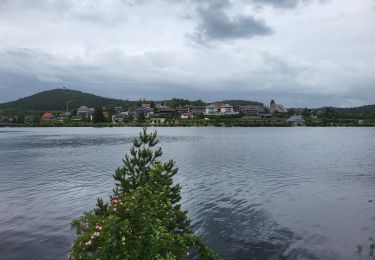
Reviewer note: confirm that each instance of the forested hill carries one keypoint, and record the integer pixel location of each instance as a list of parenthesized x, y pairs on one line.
[(357, 110), (56, 99), (362, 112), (368, 109)]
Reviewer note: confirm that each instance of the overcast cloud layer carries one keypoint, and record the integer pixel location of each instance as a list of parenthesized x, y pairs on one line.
[(299, 52)]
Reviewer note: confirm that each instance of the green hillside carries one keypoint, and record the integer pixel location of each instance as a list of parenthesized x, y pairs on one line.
[(357, 110), (350, 110), (56, 99), (362, 112)]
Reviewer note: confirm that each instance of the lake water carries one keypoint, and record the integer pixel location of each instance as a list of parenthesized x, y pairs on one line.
[(252, 193)]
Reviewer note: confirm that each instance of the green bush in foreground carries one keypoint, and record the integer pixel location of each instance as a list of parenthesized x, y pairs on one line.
[(143, 219)]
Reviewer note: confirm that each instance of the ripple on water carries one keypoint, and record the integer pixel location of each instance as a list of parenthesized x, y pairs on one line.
[(251, 193)]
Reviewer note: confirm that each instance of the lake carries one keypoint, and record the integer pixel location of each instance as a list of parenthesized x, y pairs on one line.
[(252, 193)]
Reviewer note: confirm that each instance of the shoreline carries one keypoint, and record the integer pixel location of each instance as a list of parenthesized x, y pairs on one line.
[(186, 126)]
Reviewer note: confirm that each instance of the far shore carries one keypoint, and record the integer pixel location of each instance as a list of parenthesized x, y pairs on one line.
[(109, 125)]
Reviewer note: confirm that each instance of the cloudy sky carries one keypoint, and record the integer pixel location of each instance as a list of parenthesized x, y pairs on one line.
[(299, 52)]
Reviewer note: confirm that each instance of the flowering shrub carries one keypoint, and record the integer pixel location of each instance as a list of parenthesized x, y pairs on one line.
[(143, 219)]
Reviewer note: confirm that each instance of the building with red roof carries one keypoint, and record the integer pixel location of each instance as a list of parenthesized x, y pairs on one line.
[(47, 116)]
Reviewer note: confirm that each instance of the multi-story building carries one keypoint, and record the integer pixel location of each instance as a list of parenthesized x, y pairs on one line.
[(226, 109), (252, 110), (83, 111)]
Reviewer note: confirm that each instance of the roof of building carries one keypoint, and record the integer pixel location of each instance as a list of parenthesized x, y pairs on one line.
[(48, 115), (217, 104), (296, 119), (143, 109), (166, 109), (187, 114)]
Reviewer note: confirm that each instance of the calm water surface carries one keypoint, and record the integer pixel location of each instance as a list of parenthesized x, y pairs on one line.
[(252, 193)]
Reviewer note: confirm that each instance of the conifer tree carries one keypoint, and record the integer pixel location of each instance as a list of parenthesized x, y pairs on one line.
[(143, 219)]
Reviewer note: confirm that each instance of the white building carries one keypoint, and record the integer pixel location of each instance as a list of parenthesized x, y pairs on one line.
[(211, 109), (226, 109), (83, 111)]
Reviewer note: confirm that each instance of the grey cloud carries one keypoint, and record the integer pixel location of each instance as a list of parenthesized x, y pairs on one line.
[(279, 3), (282, 4), (160, 75), (146, 57), (98, 13), (216, 25), (49, 5)]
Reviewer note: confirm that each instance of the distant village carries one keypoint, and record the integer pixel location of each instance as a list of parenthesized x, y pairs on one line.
[(172, 113), (158, 113)]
